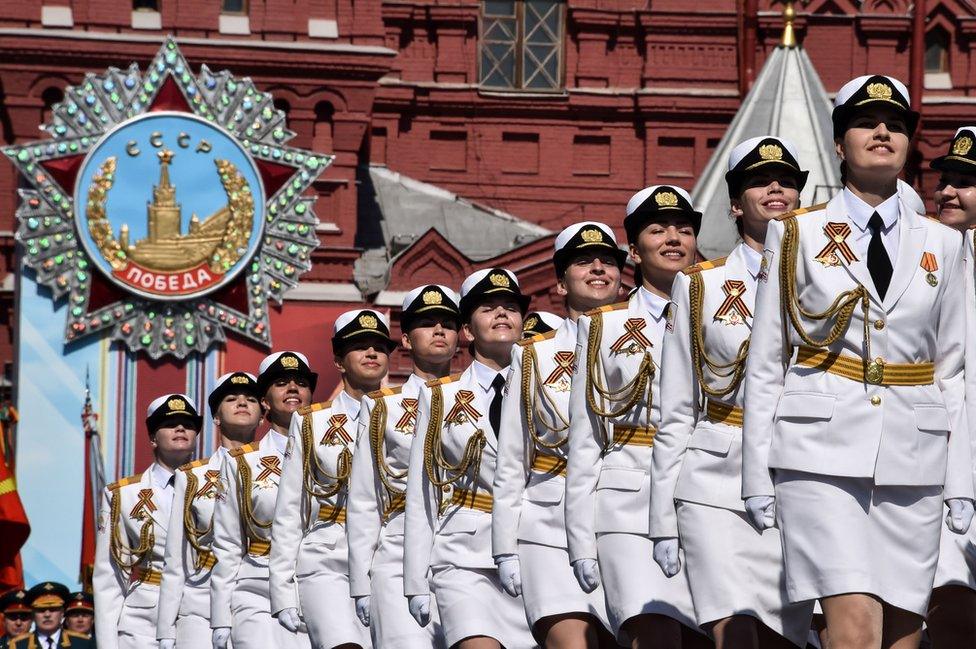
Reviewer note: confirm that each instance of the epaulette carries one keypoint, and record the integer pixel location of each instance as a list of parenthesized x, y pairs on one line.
[(322, 405), (444, 380), (384, 392), (125, 481), (801, 210), (241, 450), (74, 634), (608, 308), (194, 464), (705, 265), (531, 340)]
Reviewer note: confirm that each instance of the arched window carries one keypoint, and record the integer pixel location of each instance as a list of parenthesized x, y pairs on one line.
[(50, 97), (322, 131), (936, 51), (282, 105)]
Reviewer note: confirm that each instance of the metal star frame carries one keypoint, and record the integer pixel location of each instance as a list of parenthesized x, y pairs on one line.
[(48, 231)]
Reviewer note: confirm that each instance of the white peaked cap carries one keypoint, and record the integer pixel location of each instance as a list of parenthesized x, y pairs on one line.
[(268, 360), (224, 377), (349, 316), (412, 295), (551, 319), (848, 89), (158, 401), (568, 233), (971, 129), (744, 148), (910, 197), (638, 199), (478, 275)]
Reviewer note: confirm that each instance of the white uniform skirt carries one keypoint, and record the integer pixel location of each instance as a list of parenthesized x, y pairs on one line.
[(549, 586), (635, 585), (735, 570), (252, 625), (391, 625), (471, 603), (848, 535), (328, 610), (957, 558)]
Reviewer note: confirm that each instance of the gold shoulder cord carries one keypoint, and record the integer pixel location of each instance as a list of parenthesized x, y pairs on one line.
[(192, 532), (311, 466), (251, 523), (377, 430), (434, 461), (629, 394), (842, 307), (700, 360), (529, 394), (118, 547)]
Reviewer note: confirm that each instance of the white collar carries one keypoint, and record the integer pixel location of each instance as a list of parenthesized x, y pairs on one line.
[(655, 305), (350, 405), (860, 212), (277, 440), (571, 326), (160, 475), (484, 375), (415, 382), (56, 636), (752, 258)]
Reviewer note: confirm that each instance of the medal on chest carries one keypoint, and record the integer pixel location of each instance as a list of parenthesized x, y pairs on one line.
[(211, 485), (733, 311), (270, 465), (462, 410), (408, 420), (336, 433), (930, 264), (633, 341), (144, 506), (559, 379), (837, 234)]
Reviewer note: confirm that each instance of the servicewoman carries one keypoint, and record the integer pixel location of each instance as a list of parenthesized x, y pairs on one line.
[(309, 552), (240, 591), (528, 522), (855, 430), (736, 573), (613, 417), (184, 596), (952, 611), (132, 527), (430, 320), (447, 547), (540, 322), (48, 601)]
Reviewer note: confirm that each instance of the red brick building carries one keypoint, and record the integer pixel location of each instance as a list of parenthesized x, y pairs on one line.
[(529, 113)]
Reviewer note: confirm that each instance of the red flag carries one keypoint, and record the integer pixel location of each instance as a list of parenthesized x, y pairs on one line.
[(14, 530)]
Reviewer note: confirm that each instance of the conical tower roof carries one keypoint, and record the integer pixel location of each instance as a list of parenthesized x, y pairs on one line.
[(787, 100)]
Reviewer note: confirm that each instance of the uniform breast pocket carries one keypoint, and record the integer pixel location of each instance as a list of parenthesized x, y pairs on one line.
[(623, 500), (711, 440), (805, 406), (549, 492), (459, 522), (932, 418)]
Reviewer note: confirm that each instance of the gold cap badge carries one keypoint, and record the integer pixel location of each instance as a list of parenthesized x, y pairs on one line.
[(771, 152), (879, 91), (176, 404), (531, 323), (666, 199), (591, 236), (962, 146), (238, 379), (289, 362), (433, 297), (499, 279), (367, 321)]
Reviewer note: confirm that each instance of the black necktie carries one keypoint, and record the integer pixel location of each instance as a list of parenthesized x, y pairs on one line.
[(879, 264), (495, 409)]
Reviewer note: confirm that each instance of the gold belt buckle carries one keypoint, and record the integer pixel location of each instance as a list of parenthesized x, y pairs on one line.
[(875, 371)]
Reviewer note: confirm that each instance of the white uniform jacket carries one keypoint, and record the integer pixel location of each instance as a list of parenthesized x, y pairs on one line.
[(449, 524), (310, 515), (618, 350), (127, 572), (970, 265), (807, 419), (377, 490), (530, 476), (696, 458), (186, 575), (242, 535)]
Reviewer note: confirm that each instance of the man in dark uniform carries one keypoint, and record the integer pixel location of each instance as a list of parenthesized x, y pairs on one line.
[(79, 616), (48, 600), (17, 615)]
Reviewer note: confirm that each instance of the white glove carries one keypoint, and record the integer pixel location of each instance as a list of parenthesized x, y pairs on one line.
[(587, 574), (761, 511), (288, 618), (666, 555), (362, 609), (221, 636), (960, 514), (510, 573), (419, 606), (167, 643)]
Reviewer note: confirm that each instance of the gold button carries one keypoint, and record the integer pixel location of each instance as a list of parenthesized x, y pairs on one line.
[(875, 400), (446, 488), (879, 324)]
